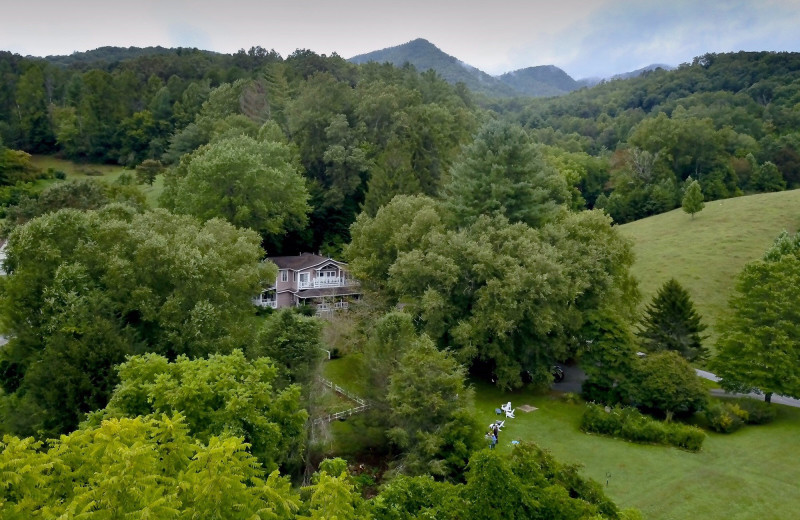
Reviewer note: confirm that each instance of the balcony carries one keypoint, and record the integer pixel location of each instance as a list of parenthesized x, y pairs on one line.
[(266, 302), (324, 283)]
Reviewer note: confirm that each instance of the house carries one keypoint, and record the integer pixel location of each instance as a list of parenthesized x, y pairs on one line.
[(311, 280)]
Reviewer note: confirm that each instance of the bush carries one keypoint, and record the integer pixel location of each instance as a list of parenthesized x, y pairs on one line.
[(629, 424), (725, 417), (758, 412), (571, 398), (60, 175)]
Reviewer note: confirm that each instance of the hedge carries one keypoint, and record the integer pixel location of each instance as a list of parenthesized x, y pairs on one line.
[(629, 424)]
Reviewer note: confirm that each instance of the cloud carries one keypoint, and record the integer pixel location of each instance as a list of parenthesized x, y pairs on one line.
[(186, 35), (633, 34)]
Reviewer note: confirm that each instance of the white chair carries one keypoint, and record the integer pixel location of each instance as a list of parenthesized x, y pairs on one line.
[(499, 425), (510, 413), (506, 407)]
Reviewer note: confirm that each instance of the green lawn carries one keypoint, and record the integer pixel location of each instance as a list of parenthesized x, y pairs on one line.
[(752, 473), (98, 172), (706, 253)]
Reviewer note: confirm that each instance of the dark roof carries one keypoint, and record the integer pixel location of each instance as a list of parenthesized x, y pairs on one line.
[(301, 261)]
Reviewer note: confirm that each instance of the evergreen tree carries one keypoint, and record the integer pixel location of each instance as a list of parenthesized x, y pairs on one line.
[(672, 323), (693, 199)]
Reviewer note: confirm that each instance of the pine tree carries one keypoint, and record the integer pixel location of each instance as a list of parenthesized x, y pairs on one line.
[(672, 323), (693, 199)]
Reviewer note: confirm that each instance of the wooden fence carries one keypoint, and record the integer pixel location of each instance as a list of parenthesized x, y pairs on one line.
[(362, 404)]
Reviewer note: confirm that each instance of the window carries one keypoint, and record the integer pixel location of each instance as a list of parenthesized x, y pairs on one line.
[(303, 277), (284, 276)]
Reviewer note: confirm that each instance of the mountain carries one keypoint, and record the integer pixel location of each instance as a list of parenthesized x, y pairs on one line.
[(424, 55), (638, 72), (544, 80)]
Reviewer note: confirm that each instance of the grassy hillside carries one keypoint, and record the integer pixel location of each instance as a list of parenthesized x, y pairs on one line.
[(98, 172), (706, 253)]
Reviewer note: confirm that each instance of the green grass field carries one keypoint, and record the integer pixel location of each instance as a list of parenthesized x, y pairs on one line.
[(749, 474), (745, 475), (99, 172), (706, 253)]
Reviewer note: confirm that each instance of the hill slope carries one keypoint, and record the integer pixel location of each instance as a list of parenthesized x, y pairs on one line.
[(545, 80), (706, 254), (424, 55)]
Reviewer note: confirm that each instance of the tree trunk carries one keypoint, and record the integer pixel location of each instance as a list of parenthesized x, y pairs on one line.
[(768, 397)]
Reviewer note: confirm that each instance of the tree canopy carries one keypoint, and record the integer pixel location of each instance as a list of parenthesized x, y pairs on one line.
[(85, 289), (759, 347), (249, 183), (670, 322)]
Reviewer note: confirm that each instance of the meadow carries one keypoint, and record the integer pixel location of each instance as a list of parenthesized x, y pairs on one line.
[(706, 253), (745, 475), (100, 172)]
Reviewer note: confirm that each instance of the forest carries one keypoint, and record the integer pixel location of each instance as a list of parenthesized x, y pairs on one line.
[(140, 379)]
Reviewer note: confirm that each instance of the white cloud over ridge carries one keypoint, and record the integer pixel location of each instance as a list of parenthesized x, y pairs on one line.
[(584, 37)]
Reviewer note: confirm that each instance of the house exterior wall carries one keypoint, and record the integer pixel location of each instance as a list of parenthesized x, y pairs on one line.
[(285, 300), (289, 284)]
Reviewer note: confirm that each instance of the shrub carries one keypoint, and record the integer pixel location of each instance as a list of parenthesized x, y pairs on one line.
[(60, 175), (629, 424), (725, 417), (758, 412), (571, 398)]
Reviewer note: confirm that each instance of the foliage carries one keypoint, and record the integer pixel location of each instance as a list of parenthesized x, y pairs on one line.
[(501, 173), (724, 417), (506, 294), (609, 360), (693, 199), (670, 322), (629, 424), (291, 340), (147, 171), (82, 194), (666, 383), (399, 227), (333, 494), (259, 181), (758, 412), (224, 394), (528, 484), (758, 347), (431, 410), (143, 467), (86, 288)]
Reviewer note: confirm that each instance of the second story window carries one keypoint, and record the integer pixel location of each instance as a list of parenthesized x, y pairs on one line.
[(284, 276)]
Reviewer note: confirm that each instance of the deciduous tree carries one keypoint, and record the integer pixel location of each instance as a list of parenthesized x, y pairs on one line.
[(86, 288), (693, 199), (759, 347), (249, 183)]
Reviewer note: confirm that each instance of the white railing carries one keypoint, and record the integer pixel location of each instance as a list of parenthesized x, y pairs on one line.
[(265, 302), (362, 405), (322, 283)]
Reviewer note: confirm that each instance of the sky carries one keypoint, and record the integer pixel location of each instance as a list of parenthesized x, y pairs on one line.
[(586, 38)]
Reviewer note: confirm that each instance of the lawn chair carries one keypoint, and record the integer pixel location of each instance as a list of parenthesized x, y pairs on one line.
[(506, 407), (510, 414)]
